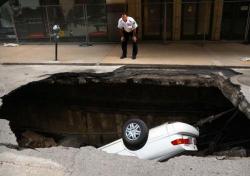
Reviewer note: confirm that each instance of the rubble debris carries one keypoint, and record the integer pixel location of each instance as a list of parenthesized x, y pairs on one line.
[(72, 141), (220, 157), (245, 59), (31, 139), (233, 152), (10, 44), (211, 118), (220, 134)]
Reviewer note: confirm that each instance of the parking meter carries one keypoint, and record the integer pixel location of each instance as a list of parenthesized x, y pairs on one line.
[(56, 30)]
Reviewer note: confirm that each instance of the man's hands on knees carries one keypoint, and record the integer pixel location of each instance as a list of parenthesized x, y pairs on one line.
[(122, 38), (134, 38)]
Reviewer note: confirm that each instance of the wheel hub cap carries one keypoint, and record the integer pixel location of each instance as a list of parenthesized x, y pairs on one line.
[(133, 131)]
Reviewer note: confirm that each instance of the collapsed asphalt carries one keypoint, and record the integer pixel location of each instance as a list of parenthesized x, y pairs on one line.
[(59, 161)]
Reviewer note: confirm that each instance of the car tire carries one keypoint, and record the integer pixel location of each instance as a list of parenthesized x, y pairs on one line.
[(134, 134)]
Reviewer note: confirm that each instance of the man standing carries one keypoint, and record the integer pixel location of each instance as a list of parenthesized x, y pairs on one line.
[(127, 27)]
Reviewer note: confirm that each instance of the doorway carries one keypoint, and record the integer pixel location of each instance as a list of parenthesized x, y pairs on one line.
[(234, 20), (196, 19), (152, 14), (157, 19)]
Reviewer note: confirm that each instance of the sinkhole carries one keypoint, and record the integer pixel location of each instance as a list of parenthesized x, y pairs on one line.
[(64, 110)]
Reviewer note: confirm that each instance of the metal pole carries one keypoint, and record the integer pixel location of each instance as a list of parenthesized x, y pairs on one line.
[(56, 50), (87, 39), (87, 25), (247, 24), (205, 27), (83, 13), (14, 24), (48, 25), (85, 17), (56, 30), (165, 22)]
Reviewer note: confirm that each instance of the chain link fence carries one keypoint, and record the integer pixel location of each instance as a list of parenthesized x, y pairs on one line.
[(96, 20), (78, 22)]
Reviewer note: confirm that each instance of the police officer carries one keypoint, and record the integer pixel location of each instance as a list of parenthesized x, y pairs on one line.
[(127, 27)]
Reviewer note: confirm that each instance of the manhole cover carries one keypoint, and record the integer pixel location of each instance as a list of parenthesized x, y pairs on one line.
[(244, 79)]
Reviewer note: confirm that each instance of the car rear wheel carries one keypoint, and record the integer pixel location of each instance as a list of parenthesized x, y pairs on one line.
[(134, 134)]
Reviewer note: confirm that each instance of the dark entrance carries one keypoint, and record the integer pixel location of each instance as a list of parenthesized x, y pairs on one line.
[(234, 20), (196, 19), (157, 19), (152, 19)]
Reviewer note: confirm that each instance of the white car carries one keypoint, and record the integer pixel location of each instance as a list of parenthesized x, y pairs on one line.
[(159, 143)]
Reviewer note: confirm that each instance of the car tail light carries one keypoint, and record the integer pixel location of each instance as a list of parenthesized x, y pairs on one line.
[(180, 141)]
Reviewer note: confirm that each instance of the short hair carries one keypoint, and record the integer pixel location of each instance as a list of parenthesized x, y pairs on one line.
[(124, 13)]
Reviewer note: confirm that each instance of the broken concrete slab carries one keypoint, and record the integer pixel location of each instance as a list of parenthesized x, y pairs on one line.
[(92, 162), (12, 77), (19, 164), (7, 137), (243, 81)]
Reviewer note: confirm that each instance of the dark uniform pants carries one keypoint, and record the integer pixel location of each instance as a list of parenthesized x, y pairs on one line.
[(125, 43)]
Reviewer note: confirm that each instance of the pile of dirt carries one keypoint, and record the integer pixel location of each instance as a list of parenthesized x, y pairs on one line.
[(31, 139)]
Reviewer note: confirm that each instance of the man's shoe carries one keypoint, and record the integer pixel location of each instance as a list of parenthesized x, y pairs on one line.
[(122, 57), (133, 57)]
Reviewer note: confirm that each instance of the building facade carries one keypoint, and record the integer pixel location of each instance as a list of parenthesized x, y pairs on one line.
[(96, 20)]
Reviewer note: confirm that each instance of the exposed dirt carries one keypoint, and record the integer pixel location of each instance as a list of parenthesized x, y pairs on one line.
[(34, 140)]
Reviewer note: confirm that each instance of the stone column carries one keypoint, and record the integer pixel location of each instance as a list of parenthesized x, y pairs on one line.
[(177, 19), (217, 18)]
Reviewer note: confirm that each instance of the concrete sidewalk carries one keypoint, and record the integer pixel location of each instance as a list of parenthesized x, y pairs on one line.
[(210, 54)]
